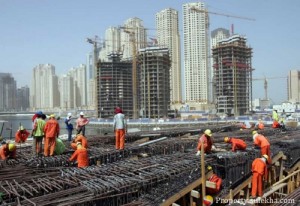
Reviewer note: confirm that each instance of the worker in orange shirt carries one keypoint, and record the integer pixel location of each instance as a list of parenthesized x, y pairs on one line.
[(260, 125), (21, 135), (215, 179), (81, 155), (206, 138), (275, 124), (8, 151), (262, 142), (259, 172), (79, 138), (51, 131), (237, 144)]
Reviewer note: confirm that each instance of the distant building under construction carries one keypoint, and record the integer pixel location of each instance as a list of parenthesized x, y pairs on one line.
[(115, 87), (154, 82), (232, 75)]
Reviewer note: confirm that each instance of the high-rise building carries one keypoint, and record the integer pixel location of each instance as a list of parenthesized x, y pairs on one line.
[(133, 33), (8, 90), (196, 53), (44, 92), (115, 81), (232, 62), (167, 27), (78, 75), (23, 98), (66, 90), (154, 82), (294, 86)]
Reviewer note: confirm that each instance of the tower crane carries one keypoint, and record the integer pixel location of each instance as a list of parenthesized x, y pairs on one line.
[(265, 79)]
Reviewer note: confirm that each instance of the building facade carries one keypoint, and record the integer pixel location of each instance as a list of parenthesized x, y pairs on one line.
[(8, 92), (23, 98), (294, 86), (167, 27), (232, 63), (218, 35), (196, 53), (154, 82), (66, 90), (44, 92)]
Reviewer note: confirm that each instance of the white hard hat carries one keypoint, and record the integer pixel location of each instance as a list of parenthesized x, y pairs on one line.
[(81, 113), (69, 114)]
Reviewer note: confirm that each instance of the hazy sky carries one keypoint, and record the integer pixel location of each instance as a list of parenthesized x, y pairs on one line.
[(54, 31)]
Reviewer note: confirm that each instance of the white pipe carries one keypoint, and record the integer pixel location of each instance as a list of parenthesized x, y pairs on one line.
[(153, 141)]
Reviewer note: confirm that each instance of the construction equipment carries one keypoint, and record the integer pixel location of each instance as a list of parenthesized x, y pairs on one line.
[(265, 79)]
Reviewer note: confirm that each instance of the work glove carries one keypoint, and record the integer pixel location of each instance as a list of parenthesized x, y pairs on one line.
[(198, 153)]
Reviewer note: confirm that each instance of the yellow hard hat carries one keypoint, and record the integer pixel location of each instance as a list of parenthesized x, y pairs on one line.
[(265, 156), (52, 115), (208, 200), (208, 132), (254, 132), (226, 139), (21, 128), (11, 147), (209, 168)]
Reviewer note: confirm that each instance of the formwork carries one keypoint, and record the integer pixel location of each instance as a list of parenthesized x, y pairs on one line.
[(232, 70)]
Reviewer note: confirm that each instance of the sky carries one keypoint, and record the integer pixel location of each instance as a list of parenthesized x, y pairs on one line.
[(54, 31)]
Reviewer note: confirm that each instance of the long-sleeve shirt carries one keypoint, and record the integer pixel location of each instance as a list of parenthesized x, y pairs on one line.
[(4, 152), (237, 144), (81, 155), (260, 167), (261, 141), (119, 121), (51, 128), (207, 143)]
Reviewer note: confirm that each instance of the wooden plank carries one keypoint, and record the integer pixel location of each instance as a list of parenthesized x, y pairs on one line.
[(240, 187), (211, 184), (274, 189), (195, 194), (184, 191)]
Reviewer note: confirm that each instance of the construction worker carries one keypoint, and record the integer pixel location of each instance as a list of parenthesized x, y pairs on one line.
[(260, 125), (259, 172), (79, 138), (21, 135), (80, 123), (8, 151), (262, 142), (237, 144), (120, 128), (69, 126), (275, 115), (51, 131), (206, 139), (38, 134), (215, 179), (246, 125), (81, 155)]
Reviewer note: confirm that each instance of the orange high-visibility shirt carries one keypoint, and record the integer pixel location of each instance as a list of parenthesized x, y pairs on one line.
[(207, 143), (260, 167), (261, 141), (214, 178), (21, 136), (82, 139), (237, 144), (81, 155), (51, 128)]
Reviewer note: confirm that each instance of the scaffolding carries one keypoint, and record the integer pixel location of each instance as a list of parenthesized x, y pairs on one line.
[(232, 76), (154, 82)]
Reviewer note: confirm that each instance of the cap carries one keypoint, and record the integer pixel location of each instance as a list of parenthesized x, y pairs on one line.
[(52, 115), (208, 200), (265, 156), (11, 147), (254, 132), (21, 128), (208, 132), (226, 139), (39, 112), (81, 113), (69, 114)]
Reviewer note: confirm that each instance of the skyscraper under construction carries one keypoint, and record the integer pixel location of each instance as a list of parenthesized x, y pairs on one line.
[(232, 75)]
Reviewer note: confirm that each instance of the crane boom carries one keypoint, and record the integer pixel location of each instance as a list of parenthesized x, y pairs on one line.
[(220, 14)]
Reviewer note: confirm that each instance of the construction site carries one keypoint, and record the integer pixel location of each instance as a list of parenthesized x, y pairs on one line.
[(155, 168)]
